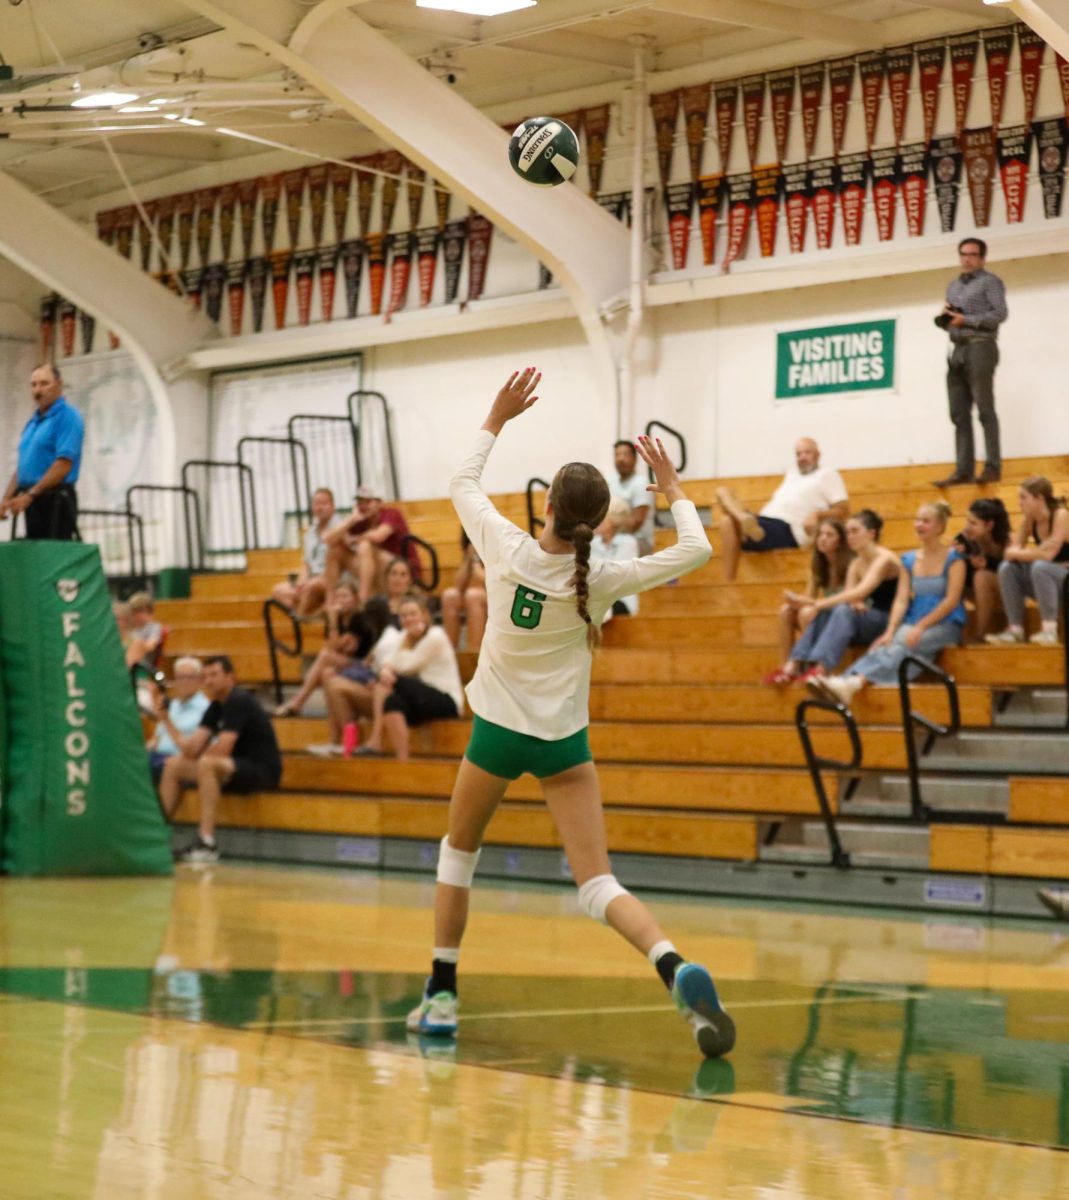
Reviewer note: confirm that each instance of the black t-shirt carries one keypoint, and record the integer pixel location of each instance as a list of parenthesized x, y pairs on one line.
[(241, 714), (356, 626)]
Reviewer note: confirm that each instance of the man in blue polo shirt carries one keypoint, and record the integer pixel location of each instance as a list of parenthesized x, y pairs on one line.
[(50, 455)]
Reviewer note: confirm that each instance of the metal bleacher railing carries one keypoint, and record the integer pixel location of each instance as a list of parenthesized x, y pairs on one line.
[(376, 463), (282, 493), (534, 523), (819, 762), (911, 721)]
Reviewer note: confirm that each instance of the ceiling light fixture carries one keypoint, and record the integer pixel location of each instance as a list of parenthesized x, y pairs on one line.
[(477, 8), (189, 121), (139, 108), (104, 99)]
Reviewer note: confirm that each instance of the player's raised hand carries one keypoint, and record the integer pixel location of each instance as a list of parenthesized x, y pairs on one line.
[(665, 475), (515, 398)]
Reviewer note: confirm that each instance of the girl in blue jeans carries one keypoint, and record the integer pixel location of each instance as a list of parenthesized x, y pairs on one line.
[(928, 613)]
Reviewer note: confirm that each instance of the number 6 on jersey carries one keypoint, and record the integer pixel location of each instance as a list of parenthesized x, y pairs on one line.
[(527, 608)]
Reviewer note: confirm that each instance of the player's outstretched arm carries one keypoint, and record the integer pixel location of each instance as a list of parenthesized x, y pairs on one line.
[(515, 398), (666, 477)]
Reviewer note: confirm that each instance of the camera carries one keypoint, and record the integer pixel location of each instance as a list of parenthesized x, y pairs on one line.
[(943, 320)]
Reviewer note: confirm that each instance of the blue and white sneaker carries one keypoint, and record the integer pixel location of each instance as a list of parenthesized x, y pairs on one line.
[(434, 1016), (695, 995)]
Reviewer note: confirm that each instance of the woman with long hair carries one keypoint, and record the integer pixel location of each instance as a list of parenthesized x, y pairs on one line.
[(1036, 570), (530, 699), (983, 541), (799, 611)]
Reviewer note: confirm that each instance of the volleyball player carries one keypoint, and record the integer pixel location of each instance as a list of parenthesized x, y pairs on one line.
[(530, 700)]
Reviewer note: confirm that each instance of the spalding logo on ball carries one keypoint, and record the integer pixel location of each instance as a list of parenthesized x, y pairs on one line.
[(544, 151)]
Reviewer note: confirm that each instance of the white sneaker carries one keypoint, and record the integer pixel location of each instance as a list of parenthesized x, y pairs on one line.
[(695, 995), (1008, 637), (840, 689), (326, 750), (1056, 901), (1045, 637), (435, 1016)]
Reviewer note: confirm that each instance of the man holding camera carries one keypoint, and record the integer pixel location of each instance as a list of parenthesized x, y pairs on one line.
[(975, 308)]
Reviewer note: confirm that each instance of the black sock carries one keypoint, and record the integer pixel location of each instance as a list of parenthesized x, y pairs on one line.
[(666, 967), (443, 977)]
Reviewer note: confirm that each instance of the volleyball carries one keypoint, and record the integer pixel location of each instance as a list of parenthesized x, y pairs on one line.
[(544, 151)]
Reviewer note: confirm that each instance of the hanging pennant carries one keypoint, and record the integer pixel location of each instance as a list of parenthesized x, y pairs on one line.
[(886, 180), (228, 202), (281, 261), (375, 248), (145, 227), (124, 229), (695, 119), (853, 181), (193, 285), (796, 204), (822, 191), (248, 190), (946, 159), (931, 56), (1014, 152), (235, 295), (88, 325), (1063, 78), (479, 234), (341, 179), (293, 182), (914, 165), (768, 188), (899, 77), (710, 190), (1051, 139), (595, 123), (214, 283), (665, 106), (998, 43), (106, 227), (442, 199), (47, 323), (415, 177), (205, 199), (427, 261), (259, 272), (304, 265), (978, 147), (165, 228), (963, 50), (352, 261), (327, 263), (317, 197), (781, 88), (270, 194), (872, 67), (68, 315), (740, 209), (184, 206), (726, 100), (453, 237), (365, 189), (841, 86), (811, 87), (679, 203), (399, 246), (392, 163), (617, 203), (753, 108), (1032, 48)]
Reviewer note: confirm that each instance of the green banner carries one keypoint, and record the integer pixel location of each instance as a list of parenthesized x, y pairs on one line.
[(77, 795), (835, 358)]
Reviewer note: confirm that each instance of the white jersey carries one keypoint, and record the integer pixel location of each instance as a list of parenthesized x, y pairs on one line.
[(533, 675)]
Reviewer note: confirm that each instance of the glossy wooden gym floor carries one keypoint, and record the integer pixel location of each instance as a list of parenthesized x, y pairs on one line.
[(239, 1032)]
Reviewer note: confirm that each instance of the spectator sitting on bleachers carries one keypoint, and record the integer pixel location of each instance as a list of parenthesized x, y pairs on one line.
[(927, 616), (233, 750), (631, 487), (305, 593), (179, 716), (348, 690), (983, 542), (827, 574), (145, 626), (859, 613), (346, 638), (367, 541), (398, 588), (806, 496), (614, 543), (1036, 570), (133, 647), (467, 596), (419, 682)]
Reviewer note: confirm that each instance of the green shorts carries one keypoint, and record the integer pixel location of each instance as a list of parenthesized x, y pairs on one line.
[(507, 754)]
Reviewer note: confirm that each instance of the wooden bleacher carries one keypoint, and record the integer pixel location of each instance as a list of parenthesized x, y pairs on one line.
[(696, 757)]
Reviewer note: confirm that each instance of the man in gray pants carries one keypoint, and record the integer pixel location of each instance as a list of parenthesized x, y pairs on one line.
[(975, 307)]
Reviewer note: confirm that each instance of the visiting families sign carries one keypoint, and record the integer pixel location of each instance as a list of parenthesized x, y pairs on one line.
[(836, 358)]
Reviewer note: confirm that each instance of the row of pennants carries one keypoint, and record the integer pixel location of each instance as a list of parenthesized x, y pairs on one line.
[(819, 185), (207, 286), (877, 70)]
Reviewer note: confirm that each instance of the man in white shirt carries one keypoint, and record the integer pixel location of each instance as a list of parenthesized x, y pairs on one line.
[(178, 718), (630, 485), (305, 593), (808, 495)]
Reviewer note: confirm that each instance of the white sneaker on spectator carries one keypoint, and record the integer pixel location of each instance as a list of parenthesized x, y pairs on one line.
[(1057, 901), (326, 750), (840, 689), (1045, 637), (1008, 637)]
